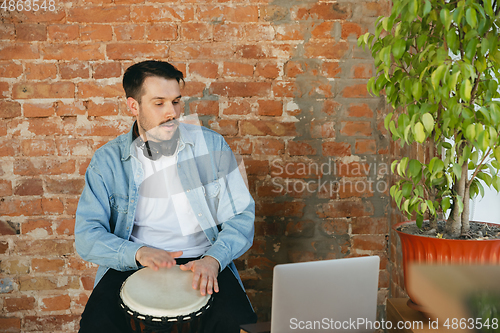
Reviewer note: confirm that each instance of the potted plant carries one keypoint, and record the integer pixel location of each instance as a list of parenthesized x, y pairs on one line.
[(438, 64)]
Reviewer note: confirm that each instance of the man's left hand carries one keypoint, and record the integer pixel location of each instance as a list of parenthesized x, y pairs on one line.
[(205, 274)]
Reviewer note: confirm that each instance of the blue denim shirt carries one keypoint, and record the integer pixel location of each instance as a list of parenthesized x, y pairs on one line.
[(211, 180)]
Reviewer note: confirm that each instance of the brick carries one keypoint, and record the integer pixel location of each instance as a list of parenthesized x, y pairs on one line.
[(40, 71), (9, 147), (133, 51), (332, 227), (302, 229), (297, 170), (96, 32), (74, 147), (15, 266), (323, 30), (360, 188), (73, 109), (4, 90), (81, 52), (236, 69), (24, 207), (63, 32), (242, 146), (264, 127), (37, 228), (352, 29), (294, 68), (338, 149), (8, 228), (46, 126), (204, 69), (355, 128), (52, 206), (29, 187), (201, 51), (52, 323), (32, 167), (44, 90), (353, 169), (243, 14), (31, 32), (256, 167), (328, 50), (44, 247), (355, 91), (129, 32), (375, 8), (369, 242), (7, 32), (273, 13), (290, 31), (360, 111), (64, 186), (228, 32), (365, 146), (204, 107), (241, 107), (267, 70), (251, 51), (23, 303), (55, 303), (162, 32), (66, 227), (9, 51), (362, 71), (38, 147), (286, 89), (10, 324), (370, 225), (38, 110), (94, 89), (87, 282), (345, 208), (193, 89), (270, 108), (9, 109), (241, 89), (99, 14), (282, 209), (322, 129), (171, 13), (300, 148), (259, 32), (270, 147), (195, 31), (5, 188), (102, 109), (331, 69), (73, 70), (4, 247), (10, 70), (326, 11)]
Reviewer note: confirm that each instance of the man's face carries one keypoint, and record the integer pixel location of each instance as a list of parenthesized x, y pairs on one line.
[(158, 112)]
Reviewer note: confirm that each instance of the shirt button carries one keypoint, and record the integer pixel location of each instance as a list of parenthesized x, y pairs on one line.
[(213, 239), (188, 191), (199, 214), (132, 201)]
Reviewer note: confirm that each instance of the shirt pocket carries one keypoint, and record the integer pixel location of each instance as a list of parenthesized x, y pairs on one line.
[(119, 203), (212, 189)]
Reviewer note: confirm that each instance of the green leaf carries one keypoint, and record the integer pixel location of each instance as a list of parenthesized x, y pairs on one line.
[(417, 90), (387, 120), (427, 8), (414, 168), (470, 132), (471, 17), (407, 188), (457, 170), (428, 122), (399, 48), (419, 132), (465, 90), (445, 204), (496, 153), (446, 18), (470, 49), (420, 220)]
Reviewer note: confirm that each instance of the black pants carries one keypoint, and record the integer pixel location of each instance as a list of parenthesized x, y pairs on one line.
[(103, 314)]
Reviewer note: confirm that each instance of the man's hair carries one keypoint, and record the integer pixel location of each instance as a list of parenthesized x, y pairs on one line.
[(136, 74)]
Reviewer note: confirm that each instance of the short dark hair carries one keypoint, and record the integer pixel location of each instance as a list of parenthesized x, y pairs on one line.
[(136, 74)]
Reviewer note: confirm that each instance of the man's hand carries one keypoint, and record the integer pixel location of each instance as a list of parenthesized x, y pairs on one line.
[(156, 258), (205, 274)]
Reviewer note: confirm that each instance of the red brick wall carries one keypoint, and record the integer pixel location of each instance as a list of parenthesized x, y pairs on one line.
[(282, 80)]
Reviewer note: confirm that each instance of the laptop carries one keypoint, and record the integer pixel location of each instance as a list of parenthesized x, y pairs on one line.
[(338, 295)]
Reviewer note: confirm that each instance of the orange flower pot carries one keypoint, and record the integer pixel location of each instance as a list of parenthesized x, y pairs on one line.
[(432, 250)]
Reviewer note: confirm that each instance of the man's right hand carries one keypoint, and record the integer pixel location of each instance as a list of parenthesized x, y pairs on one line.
[(156, 258)]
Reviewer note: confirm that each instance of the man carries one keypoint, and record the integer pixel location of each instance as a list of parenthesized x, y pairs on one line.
[(164, 193)]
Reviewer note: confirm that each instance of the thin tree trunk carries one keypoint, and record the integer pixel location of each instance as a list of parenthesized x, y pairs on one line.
[(465, 213), (454, 223)]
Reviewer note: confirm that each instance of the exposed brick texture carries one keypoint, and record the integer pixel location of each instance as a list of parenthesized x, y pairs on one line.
[(282, 80)]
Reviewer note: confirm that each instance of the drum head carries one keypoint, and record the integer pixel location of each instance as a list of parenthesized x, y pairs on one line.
[(167, 292)]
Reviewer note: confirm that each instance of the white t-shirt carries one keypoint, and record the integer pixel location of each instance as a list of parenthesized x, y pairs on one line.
[(164, 218)]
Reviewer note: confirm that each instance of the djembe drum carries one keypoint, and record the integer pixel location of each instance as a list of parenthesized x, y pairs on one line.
[(163, 301)]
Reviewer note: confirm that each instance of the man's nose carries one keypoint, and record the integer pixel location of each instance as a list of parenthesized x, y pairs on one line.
[(169, 110)]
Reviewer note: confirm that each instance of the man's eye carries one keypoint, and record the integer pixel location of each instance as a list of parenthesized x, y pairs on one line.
[(159, 104), (175, 102)]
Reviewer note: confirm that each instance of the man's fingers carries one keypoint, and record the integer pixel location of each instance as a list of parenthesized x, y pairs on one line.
[(187, 267)]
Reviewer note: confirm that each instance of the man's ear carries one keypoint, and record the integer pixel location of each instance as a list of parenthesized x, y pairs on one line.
[(133, 105)]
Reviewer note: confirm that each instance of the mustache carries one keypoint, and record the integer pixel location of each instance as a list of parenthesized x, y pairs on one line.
[(170, 121)]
